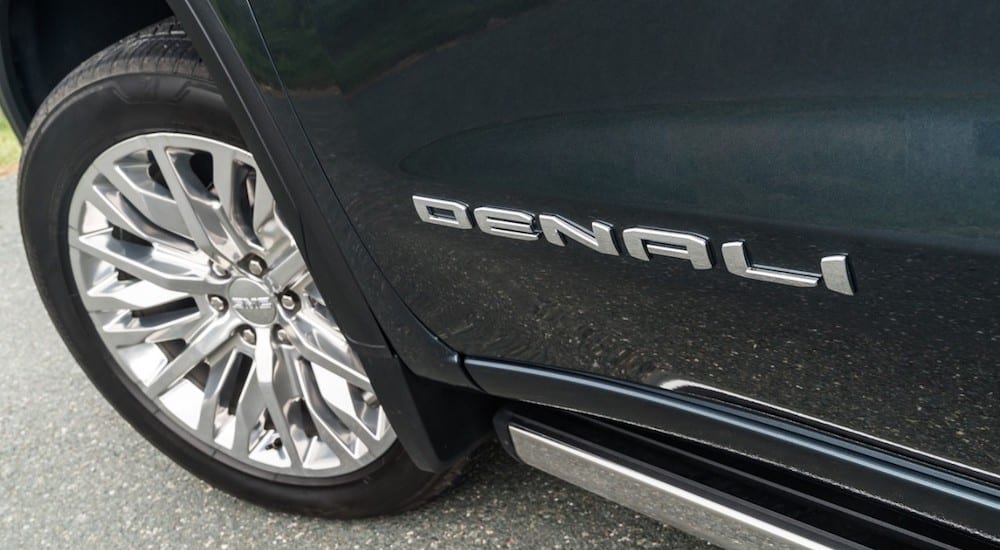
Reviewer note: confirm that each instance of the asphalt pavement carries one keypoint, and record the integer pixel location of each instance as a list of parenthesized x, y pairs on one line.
[(74, 474)]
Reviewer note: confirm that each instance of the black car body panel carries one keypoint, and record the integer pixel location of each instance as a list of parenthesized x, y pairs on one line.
[(804, 128)]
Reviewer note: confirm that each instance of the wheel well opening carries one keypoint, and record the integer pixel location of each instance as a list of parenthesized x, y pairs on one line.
[(46, 39)]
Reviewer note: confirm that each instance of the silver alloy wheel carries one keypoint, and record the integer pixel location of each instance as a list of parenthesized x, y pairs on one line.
[(196, 287)]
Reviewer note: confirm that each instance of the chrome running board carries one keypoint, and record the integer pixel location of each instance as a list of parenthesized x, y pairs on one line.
[(660, 499), (651, 449)]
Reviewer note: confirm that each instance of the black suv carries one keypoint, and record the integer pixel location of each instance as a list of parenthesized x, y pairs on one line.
[(735, 265)]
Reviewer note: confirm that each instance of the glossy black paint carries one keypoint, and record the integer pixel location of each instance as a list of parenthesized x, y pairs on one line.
[(805, 128)]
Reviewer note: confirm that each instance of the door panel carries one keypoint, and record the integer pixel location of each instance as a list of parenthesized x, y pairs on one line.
[(805, 129)]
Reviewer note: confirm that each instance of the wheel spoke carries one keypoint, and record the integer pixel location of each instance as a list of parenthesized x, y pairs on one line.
[(224, 178), (263, 205), (113, 294), (326, 417), (330, 431), (357, 427), (250, 406), (202, 213), (170, 271), (127, 330), (231, 188), (209, 338), (265, 365), (134, 183), (120, 213), (346, 456), (265, 222), (330, 352), (220, 377), (287, 270)]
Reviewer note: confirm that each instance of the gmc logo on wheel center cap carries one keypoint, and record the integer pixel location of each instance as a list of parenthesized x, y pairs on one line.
[(255, 303)]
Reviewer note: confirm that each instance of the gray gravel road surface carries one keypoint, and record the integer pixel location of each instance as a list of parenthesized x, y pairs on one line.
[(74, 474)]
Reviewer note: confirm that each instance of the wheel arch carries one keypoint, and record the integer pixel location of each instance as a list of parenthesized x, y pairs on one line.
[(43, 40)]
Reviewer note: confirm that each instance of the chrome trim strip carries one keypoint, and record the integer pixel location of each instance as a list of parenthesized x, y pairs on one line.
[(658, 499)]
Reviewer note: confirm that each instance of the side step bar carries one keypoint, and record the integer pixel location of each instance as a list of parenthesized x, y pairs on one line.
[(729, 499), (672, 502)]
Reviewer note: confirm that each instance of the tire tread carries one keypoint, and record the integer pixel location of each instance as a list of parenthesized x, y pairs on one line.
[(151, 50)]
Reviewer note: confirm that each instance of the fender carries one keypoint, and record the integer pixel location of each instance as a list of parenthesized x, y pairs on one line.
[(371, 315)]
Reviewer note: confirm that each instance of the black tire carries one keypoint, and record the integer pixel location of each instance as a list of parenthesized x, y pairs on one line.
[(155, 81)]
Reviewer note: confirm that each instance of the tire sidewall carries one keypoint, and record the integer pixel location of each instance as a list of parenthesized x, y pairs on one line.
[(60, 147)]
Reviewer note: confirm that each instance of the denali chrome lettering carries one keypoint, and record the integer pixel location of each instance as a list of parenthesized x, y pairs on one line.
[(737, 259), (599, 238), (837, 274), (442, 212), (640, 242), (502, 222)]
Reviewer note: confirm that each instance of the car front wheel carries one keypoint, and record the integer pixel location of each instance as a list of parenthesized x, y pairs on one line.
[(171, 275)]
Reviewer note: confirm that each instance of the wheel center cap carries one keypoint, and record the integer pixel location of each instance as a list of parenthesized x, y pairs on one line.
[(252, 301)]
